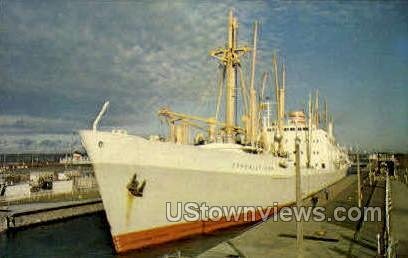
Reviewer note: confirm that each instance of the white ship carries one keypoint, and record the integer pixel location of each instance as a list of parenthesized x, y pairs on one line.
[(247, 163)]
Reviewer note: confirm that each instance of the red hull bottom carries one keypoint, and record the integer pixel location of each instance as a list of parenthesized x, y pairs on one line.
[(155, 236)]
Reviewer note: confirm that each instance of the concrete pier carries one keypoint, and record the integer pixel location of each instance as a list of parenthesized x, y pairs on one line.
[(399, 218), (321, 239), (16, 216)]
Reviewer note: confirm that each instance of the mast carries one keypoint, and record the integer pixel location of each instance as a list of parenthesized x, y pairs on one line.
[(229, 57), (317, 109), (254, 55), (282, 94), (264, 79), (265, 102), (275, 66), (230, 81), (326, 119), (309, 135), (253, 105), (280, 102)]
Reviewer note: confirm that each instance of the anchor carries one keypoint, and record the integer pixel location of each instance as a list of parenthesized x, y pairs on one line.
[(135, 187)]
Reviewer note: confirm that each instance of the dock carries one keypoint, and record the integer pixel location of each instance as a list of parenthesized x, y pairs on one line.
[(321, 239), (23, 215), (399, 218)]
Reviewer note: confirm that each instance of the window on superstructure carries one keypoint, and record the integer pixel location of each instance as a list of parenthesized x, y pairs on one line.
[(323, 165), (292, 129), (285, 129)]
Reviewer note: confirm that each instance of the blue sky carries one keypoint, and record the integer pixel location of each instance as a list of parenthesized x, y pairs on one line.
[(61, 59)]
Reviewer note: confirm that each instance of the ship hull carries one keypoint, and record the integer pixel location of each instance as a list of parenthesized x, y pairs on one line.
[(140, 221)]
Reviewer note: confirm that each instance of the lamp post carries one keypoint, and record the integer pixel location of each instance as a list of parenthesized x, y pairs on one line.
[(299, 226)]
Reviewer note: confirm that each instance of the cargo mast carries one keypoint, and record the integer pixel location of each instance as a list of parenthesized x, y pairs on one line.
[(229, 57)]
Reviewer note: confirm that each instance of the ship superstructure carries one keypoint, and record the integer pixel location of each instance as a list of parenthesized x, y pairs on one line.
[(235, 162)]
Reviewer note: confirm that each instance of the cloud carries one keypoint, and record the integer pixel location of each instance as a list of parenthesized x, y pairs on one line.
[(29, 124), (59, 61), (40, 143)]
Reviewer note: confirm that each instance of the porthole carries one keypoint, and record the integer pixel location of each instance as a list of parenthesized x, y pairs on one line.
[(100, 144)]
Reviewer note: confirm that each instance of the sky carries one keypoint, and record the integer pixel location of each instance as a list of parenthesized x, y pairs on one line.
[(60, 60)]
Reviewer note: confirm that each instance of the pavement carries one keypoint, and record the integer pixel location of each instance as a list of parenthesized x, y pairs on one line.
[(22, 215), (29, 207), (399, 217), (321, 239)]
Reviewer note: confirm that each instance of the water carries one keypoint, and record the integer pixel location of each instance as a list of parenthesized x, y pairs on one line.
[(88, 236)]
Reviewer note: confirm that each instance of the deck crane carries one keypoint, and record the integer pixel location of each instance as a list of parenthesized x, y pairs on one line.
[(179, 131)]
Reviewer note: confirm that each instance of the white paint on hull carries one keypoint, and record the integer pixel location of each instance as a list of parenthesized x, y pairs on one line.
[(183, 173)]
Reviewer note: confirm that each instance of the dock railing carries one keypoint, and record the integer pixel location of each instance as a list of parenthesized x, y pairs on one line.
[(388, 241)]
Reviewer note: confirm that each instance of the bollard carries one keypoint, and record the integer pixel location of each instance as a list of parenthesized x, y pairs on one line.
[(406, 176), (3, 224), (370, 176)]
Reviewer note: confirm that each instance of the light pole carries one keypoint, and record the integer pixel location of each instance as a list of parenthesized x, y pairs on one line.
[(299, 226)]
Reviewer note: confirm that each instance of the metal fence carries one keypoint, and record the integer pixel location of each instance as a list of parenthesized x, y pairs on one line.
[(85, 190)]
